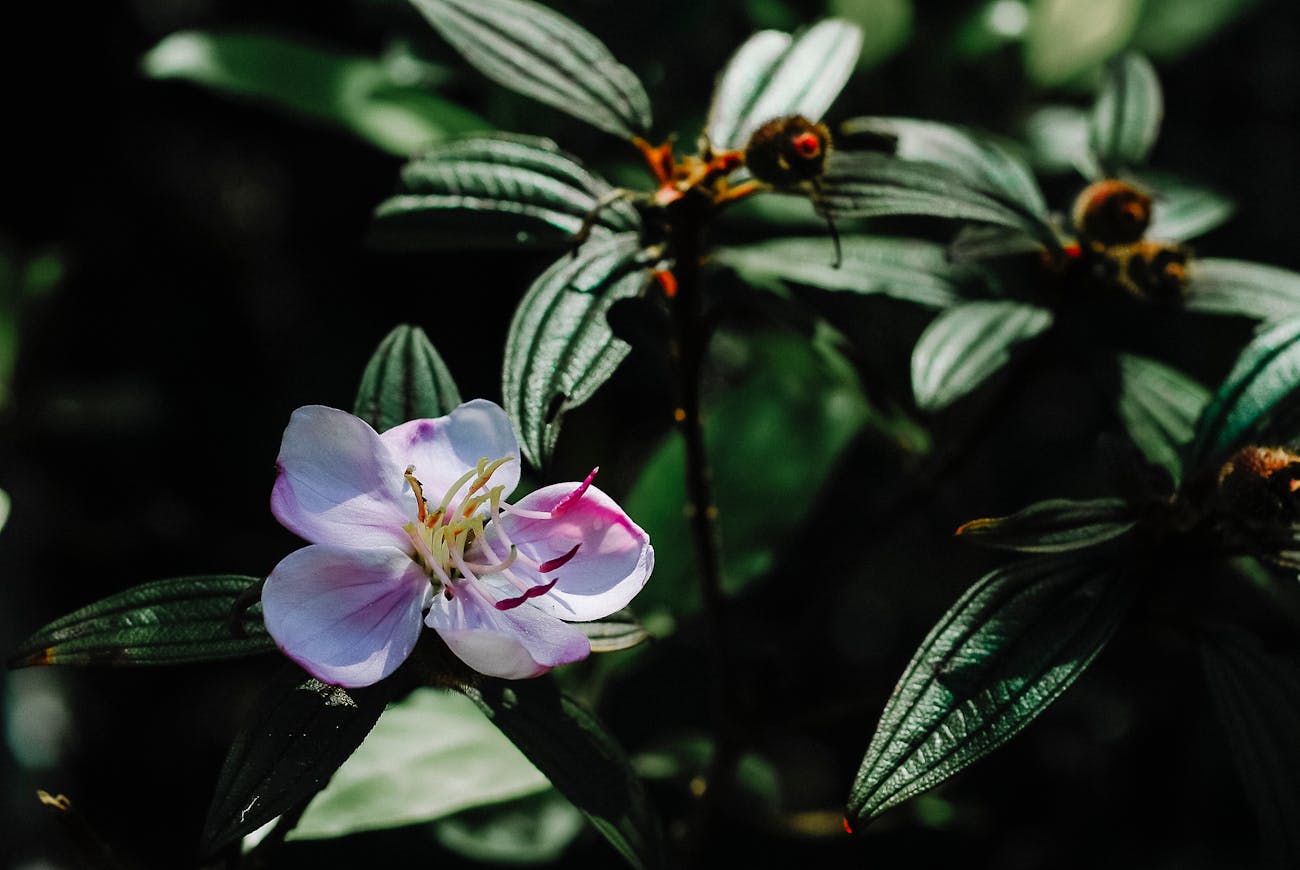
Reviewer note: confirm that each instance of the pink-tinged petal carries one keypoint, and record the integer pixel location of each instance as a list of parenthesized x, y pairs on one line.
[(444, 448), (350, 617), (338, 483), (512, 644), (613, 558)]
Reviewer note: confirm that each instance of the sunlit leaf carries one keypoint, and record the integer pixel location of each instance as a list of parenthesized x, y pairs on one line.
[(966, 344), (618, 631), (531, 49), (1005, 651), (184, 619), (405, 379), (886, 26), (1239, 287), (560, 348), (357, 93), (1053, 526), (499, 190), (1170, 28), (1058, 140), (1067, 38), (774, 75), (527, 831), (1183, 210), (1159, 406), (1126, 117)]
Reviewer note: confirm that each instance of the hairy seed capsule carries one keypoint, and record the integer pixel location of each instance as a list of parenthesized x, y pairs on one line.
[(787, 151), (1112, 212)]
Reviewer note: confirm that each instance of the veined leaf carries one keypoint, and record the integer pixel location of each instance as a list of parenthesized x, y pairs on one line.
[(527, 831), (966, 344), (774, 75), (560, 349), (976, 242), (166, 622), (515, 188), (618, 631), (1183, 210), (405, 380), (359, 93), (528, 48), (1004, 652), (1238, 287), (581, 759), (1126, 116), (1159, 406), (1053, 526)]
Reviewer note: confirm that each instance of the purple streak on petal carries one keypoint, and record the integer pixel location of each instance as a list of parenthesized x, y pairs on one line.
[(350, 617), (534, 592), (444, 448), (560, 561), (569, 500), (337, 482)]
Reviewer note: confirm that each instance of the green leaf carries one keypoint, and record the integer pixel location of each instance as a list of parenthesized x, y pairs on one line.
[(358, 93), (1053, 526), (499, 190), (1170, 28), (887, 26), (297, 735), (1004, 652), (1183, 210), (966, 344), (528, 831), (560, 348), (405, 380), (1058, 140), (429, 755), (775, 75), (908, 269), (165, 622), (581, 759), (1256, 695), (976, 242), (1068, 38), (1238, 287), (541, 54), (1126, 116), (1159, 406), (618, 631)]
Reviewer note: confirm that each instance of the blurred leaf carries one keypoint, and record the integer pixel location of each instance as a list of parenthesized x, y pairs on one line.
[(357, 93), (541, 54), (560, 348), (886, 26), (990, 27), (1005, 651), (1238, 287), (618, 631), (297, 735), (976, 242), (1058, 140), (1067, 38), (682, 757), (6, 504), (966, 344), (1257, 698), (1170, 28), (405, 380), (166, 622), (527, 831), (1183, 210), (774, 75), (581, 759), (497, 191), (1125, 120), (429, 755), (1053, 526), (1159, 406)]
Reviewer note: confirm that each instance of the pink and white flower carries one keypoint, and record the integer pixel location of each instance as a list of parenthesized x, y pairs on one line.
[(411, 527)]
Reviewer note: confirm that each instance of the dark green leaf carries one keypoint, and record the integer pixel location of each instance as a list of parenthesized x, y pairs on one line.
[(405, 379), (618, 631), (1005, 651), (976, 242), (1183, 210), (1053, 526), (527, 831), (499, 190), (1238, 287), (530, 49), (582, 760), (358, 93), (1257, 698), (1170, 28), (966, 344), (774, 75), (1159, 406), (560, 348), (184, 619), (1126, 117)]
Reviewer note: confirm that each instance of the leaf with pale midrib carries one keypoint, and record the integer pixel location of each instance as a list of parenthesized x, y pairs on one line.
[(405, 380), (1126, 117)]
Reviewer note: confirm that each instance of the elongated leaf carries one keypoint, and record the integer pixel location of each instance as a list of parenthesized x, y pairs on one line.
[(1069, 38), (1183, 210), (1053, 526), (1058, 140), (530, 49), (1257, 698), (1004, 652), (295, 738), (1238, 287), (774, 75), (185, 619), (405, 379), (1159, 406), (618, 631), (966, 344), (498, 190), (976, 242), (581, 759), (1126, 117), (528, 831), (358, 93), (909, 269), (560, 348)]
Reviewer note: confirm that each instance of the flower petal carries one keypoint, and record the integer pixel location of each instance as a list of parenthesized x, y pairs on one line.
[(444, 448), (613, 560), (511, 644), (350, 617), (338, 483)]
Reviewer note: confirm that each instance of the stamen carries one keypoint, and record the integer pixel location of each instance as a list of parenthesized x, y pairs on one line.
[(572, 498), (534, 592), (498, 567), (551, 564), (465, 478), (419, 493)]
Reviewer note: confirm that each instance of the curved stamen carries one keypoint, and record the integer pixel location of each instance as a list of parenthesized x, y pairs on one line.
[(533, 592), (551, 564), (421, 505), (572, 498), (495, 568)]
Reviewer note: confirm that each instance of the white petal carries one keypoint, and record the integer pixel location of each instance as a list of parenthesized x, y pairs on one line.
[(444, 448)]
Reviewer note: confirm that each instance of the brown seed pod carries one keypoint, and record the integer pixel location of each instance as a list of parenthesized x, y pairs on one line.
[(1111, 212), (787, 151)]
